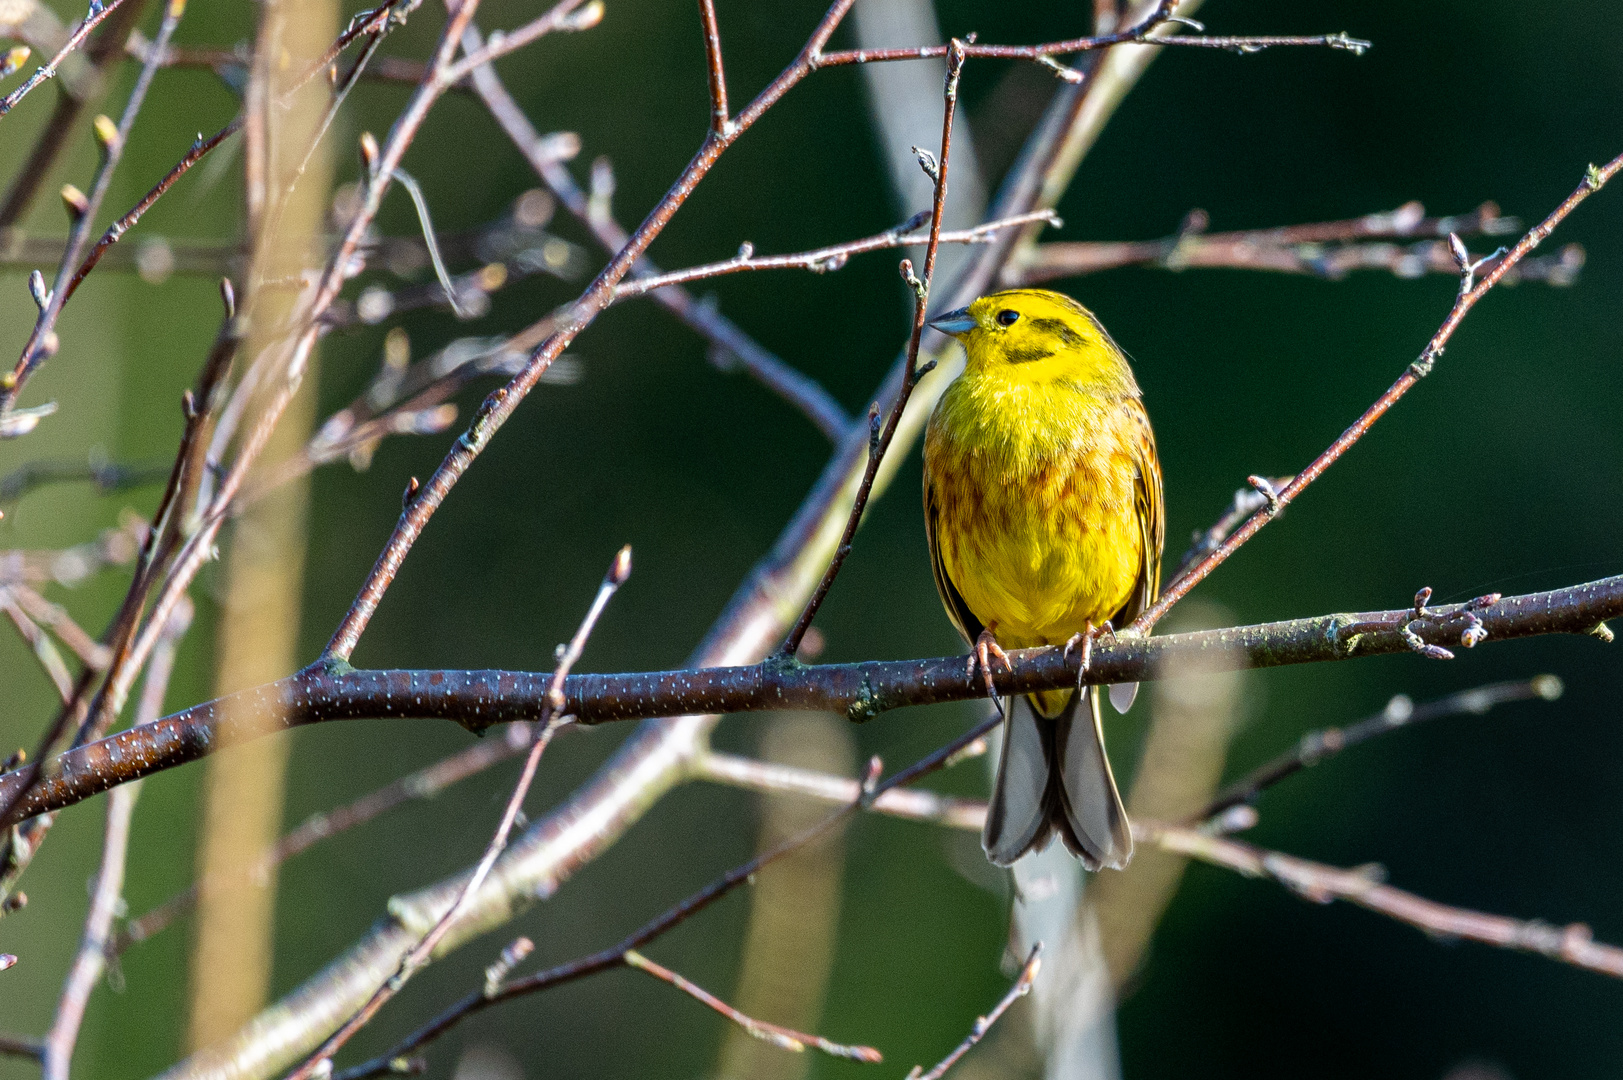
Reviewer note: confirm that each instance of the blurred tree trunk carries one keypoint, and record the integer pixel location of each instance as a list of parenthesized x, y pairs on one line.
[(264, 567), (794, 906)]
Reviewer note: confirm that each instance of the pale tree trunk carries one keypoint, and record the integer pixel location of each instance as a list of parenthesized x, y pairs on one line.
[(264, 568)]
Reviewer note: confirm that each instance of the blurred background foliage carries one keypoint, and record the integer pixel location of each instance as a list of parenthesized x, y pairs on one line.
[(1499, 473)]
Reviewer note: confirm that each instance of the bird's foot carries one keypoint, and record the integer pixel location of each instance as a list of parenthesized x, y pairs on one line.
[(1085, 639), (985, 651)]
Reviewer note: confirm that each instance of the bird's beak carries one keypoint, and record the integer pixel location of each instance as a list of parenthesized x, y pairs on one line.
[(954, 322)]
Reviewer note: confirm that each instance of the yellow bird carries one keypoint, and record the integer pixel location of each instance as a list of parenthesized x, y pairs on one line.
[(1043, 511)]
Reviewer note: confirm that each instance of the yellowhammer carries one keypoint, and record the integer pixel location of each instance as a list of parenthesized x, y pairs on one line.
[(1042, 506)]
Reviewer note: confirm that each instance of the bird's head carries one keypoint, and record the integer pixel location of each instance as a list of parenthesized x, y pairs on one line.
[(1035, 335)]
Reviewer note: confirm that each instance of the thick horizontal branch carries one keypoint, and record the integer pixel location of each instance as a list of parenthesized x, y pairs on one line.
[(478, 700)]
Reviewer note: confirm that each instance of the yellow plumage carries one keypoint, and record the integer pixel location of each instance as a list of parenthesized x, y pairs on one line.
[(1042, 497)]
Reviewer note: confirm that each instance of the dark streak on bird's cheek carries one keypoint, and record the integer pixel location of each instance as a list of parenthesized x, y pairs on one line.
[(1025, 354)]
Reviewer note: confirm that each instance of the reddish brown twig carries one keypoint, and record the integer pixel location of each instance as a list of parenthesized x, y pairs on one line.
[(713, 64), (41, 341), (552, 715), (98, 13), (1329, 250), (983, 1024), (881, 438), (834, 256), (1471, 291), (781, 1037), (868, 793), (1400, 712), (1247, 501), (115, 232), (79, 89), (500, 405), (1141, 33), (547, 155)]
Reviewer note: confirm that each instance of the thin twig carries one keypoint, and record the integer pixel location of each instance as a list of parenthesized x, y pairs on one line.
[(1138, 34), (48, 70), (781, 1037), (13, 1045), (1400, 712), (499, 406), (1247, 501), (39, 644), (115, 232), (1312, 881), (41, 341), (912, 372), (547, 155), (103, 53), (833, 257), (868, 793), (1573, 944), (552, 715), (983, 1024), (717, 72), (423, 784), (1328, 250), (108, 893), (1467, 299)]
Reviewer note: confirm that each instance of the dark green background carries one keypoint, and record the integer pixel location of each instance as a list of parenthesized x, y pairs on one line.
[(1501, 472)]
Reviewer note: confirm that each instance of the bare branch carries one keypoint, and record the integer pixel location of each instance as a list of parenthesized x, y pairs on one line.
[(1142, 33), (108, 893), (983, 1024), (1469, 294), (869, 792), (479, 699), (41, 341), (718, 73), (881, 438), (547, 156), (98, 13), (1312, 881), (1329, 250), (833, 257), (779, 1036), (1320, 884), (1400, 712), (115, 232), (423, 784), (552, 715)]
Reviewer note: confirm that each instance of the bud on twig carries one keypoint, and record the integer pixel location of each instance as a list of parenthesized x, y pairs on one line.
[(15, 58), (621, 568), (369, 153), (37, 289), (76, 202), (106, 133)]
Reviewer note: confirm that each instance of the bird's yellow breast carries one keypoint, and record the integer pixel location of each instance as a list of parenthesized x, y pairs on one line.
[(1034, 483)]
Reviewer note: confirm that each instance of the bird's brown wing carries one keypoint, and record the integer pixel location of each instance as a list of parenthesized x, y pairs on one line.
[(1150, 510), (951, 599)]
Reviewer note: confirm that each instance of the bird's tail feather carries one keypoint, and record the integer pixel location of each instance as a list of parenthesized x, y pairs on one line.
[(1053, 776), (1092, 820)]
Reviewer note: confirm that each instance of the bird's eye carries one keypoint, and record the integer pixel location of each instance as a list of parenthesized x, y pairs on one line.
[(1007, 317)]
